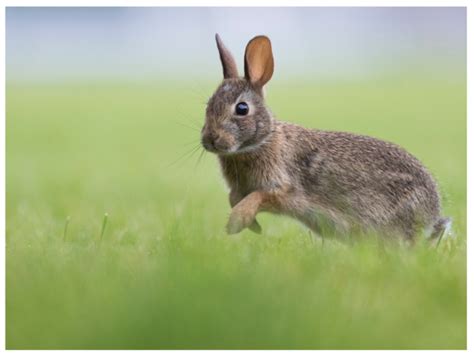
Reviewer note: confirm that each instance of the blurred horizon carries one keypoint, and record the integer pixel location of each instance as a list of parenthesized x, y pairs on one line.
[(348, 43)]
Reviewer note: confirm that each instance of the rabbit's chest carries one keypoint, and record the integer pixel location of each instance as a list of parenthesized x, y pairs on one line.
[(250, 175)]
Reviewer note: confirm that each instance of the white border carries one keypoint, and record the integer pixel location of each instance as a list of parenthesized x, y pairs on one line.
[(2, 180), (236, 3), (246, 3), (470, 175)]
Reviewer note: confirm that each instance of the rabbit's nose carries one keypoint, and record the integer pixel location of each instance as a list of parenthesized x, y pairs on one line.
[(208, 140)]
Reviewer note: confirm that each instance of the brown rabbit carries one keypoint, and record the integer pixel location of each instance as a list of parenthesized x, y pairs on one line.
[(334, 182)]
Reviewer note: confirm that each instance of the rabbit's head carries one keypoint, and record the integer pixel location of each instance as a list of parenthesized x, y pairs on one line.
[(237, 119)]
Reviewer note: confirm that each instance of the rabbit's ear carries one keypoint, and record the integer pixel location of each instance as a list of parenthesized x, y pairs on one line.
[(259, 61), (228, 63)]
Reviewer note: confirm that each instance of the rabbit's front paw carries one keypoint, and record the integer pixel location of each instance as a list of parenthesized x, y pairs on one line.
[(238, 221)]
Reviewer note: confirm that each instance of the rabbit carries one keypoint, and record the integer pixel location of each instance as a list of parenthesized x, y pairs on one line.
[(335, 183)]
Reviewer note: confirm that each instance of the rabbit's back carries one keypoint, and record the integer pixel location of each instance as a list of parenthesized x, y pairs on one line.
[(372, 183)]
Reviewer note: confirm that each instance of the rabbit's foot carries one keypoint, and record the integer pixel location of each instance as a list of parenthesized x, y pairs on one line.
[(239, 220), (255, 227)]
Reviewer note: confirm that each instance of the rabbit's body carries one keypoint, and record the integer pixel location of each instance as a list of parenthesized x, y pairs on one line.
[(333, 182), (337, 182)]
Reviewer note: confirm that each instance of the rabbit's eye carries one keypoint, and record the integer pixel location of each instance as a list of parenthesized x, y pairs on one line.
[(241, 109)]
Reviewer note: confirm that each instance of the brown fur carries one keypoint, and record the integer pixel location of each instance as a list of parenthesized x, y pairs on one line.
[(333, 182)]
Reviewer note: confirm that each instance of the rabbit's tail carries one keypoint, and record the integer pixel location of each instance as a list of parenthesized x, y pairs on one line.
[(441, 228)]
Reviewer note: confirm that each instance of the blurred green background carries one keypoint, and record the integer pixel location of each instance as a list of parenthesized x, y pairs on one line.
[(85, 138)]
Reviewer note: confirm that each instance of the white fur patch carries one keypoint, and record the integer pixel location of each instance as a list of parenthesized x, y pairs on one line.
[(448, 231)]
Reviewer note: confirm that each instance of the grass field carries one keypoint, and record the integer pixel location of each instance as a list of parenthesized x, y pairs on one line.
[(164, 275)]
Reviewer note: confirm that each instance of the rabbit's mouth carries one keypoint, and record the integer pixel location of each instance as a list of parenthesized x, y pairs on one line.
[(226, 144), (233, 150), (220, 151), (217, 147), (219, 143)]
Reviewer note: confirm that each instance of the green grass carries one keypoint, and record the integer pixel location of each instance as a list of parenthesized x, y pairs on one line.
[(159, 271)]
